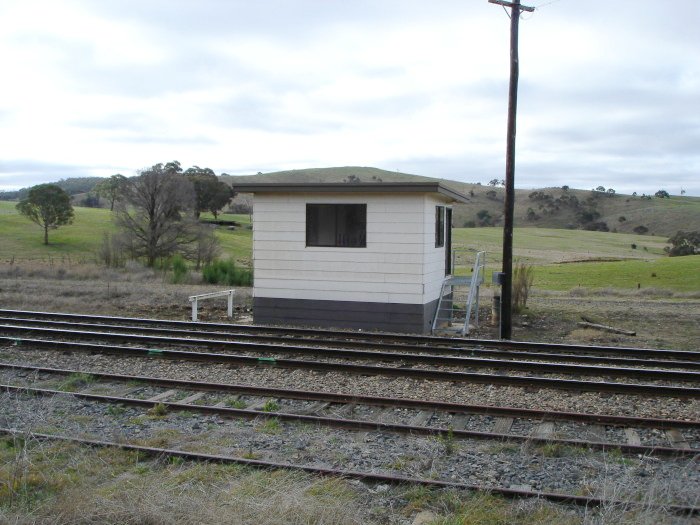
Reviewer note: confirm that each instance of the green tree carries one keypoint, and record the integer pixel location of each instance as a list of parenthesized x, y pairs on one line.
[(111, 188), (684, 243), (662, 194), (47, 205), (211, 193)]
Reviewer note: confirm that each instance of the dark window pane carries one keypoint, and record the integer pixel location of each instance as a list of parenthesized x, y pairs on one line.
[(439, 226), (343, 225)]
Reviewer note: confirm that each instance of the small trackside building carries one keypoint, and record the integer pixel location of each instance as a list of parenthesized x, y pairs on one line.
[(366, 256)]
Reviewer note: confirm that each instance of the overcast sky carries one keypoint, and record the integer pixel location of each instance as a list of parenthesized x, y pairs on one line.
[(609, 90)]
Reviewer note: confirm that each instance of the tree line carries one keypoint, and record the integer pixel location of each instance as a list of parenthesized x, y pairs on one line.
[(156, 212)]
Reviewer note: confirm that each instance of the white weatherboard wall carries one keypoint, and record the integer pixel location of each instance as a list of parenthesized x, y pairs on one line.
[(400, 263)]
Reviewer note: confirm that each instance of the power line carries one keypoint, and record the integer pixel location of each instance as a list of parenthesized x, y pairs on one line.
[(547, 3)]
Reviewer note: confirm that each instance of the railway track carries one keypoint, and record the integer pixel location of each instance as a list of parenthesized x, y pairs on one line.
[(126, 335), (368, 355), (350, 339), (153, 352), (338, 346), (364, 413)]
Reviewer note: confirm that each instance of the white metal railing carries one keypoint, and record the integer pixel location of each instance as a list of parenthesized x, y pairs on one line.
[(194, 299)]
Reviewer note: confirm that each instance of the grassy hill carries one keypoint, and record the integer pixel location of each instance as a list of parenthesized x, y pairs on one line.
[(621, 213), (563, 259), (326, 175), (553, 208)]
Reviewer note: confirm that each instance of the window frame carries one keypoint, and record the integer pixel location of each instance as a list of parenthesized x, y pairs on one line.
[(338, 206)]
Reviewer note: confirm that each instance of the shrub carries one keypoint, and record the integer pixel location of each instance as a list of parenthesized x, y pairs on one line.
[(684, 243), (522, 281), (180, 270), (112, 252), (226, 272), (484, 218), (641, 229)]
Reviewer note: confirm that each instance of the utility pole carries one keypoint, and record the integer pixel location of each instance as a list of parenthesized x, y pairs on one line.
[(509, 206)]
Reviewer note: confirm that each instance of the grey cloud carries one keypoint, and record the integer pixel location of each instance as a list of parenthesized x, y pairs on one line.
[(264, 112)]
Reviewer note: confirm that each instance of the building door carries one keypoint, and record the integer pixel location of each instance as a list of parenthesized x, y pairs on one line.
[(448, 241)]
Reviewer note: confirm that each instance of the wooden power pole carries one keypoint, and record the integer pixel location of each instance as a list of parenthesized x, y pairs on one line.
[(509, 206)]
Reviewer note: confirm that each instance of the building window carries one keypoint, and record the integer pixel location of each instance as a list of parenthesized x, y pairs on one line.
[(339, 225), (439, 226)]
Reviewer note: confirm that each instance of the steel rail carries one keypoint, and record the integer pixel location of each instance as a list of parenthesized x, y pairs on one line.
[(358, 424), (332, 397), (375, 346), (292, 332), (474, 362), (572, 499), (471, 377)]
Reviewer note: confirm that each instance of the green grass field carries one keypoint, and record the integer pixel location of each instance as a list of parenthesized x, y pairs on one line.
[(21, 239), (542, 245), (680, 274), (559, 256)]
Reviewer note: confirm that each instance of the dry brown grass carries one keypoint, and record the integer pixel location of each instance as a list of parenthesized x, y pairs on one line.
[(649, 497), (88, 288), (68, 484)]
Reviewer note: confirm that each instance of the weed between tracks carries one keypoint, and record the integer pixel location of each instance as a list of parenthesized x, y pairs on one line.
[(76, 381)]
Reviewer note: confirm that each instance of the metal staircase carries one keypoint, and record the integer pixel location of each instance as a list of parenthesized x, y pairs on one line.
[(458, 297)]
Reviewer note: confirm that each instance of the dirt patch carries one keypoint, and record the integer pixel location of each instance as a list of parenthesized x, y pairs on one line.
[(554, 318)]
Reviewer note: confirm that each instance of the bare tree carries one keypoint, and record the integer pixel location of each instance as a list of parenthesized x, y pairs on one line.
[(205, 248), (152, 215)]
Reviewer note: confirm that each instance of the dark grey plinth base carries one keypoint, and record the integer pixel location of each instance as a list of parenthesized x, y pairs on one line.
[(385, 317)]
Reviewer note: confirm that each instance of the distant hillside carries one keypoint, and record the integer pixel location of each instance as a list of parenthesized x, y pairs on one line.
[(342, 174), (559, 208), (72, 186), (543, 208)]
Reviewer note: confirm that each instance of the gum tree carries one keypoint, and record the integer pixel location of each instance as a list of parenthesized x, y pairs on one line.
[(48, 205), (211, 193), (111, 188)]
